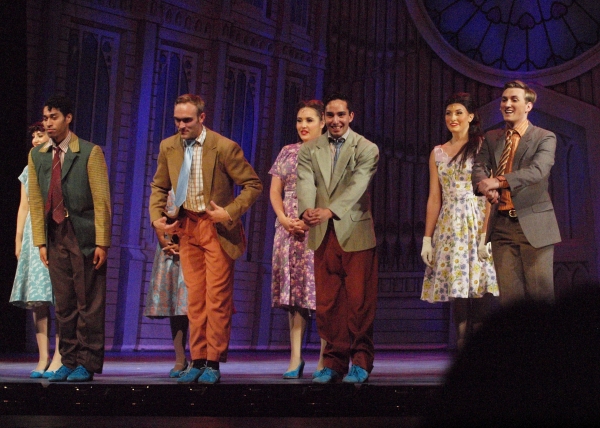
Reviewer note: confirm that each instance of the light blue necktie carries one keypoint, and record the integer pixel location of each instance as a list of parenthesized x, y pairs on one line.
[(184, 173), (338, 147)]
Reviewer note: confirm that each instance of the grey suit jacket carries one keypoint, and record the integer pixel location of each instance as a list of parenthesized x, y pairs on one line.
[(528, 182), (345, 192)]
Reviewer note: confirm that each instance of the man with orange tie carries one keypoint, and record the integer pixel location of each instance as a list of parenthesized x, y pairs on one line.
[(512, 171), (70, 207), (202, 167)]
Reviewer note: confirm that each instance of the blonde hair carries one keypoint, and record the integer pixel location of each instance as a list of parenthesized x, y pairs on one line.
[(192, 99)]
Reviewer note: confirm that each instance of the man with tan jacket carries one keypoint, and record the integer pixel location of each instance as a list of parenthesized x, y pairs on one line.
[(334, 172), (201, 167)]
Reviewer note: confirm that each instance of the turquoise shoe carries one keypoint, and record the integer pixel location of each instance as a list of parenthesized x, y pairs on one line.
[(356, 375), (210, 376), (80, 374), (37, 375), (325, 376), (191, 375), (295, 374), (177, 373), (48, 374), (61, 374)]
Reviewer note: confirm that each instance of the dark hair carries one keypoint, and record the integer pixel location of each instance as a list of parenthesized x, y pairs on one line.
[(469, 150), (63, 104), (192, 99), (338, 96), (36, 127), (530, 95)]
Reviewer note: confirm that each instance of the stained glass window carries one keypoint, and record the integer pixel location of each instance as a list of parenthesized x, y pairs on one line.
[(518, 35)]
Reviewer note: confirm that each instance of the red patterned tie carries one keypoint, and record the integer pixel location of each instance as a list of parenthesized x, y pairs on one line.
[(505, 153), (55, 204)]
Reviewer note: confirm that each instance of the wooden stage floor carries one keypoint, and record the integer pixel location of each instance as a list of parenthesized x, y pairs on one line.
[(135, 390)]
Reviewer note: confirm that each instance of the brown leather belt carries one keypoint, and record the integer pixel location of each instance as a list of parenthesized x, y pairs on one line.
[(512, 214)]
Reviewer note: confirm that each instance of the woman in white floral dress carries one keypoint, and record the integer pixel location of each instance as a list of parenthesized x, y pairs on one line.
[(459, 268)]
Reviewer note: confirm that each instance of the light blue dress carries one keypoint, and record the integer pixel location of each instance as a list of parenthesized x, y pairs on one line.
[(32, 285)]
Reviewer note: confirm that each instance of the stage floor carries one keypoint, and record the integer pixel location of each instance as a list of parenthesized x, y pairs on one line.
[(135, 389)]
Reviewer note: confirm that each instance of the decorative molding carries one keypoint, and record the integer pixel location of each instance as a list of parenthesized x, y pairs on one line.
[(489, 75)]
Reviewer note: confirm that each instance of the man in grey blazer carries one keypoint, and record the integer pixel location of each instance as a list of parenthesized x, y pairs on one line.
[(334, 172), (522, 227)]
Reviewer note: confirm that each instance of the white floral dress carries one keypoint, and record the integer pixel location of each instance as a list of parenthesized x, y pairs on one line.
[(457, 270)]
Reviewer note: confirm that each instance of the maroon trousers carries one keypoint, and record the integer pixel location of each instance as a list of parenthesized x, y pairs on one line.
[(346, 289), (80, 297)]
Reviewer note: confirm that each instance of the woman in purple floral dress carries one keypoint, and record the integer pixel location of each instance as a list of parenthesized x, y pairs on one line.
[(293, 281)]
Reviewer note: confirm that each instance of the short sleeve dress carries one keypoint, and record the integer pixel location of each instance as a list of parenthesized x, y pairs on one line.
[(457, 270), (293, 277), (32, 286)]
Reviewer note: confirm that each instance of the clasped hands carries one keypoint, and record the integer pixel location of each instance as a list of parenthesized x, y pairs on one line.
[(294, 226), (489, 188), (315, 216)]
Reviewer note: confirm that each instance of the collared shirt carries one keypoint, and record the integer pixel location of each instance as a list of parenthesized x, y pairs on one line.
[(194, 199), (506, 202), (63, 146), (332, 146)]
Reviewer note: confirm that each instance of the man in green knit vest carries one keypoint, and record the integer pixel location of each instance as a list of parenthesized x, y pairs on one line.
[(71, 224)]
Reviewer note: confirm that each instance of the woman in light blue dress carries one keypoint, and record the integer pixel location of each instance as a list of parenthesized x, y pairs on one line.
[(167, 294), (32, 288)]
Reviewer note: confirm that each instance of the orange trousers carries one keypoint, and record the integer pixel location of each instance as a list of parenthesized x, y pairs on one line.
[(208, 275)]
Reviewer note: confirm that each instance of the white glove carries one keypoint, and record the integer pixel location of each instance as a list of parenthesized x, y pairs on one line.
[(427, 251), (484, 250)]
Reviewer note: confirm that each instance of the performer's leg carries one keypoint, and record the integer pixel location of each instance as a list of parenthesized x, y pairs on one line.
[(179, 330), (460, 312), (361, 282), (539, 272), (219, 293), (297, 321), (506, 251), (59, 268), (41, 322), (90, 288), (332, 323), (194, 271)]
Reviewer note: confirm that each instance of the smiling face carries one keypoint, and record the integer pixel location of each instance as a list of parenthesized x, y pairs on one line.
[(458, 119), (513, 106), (39, 137), (187, 120), (56, 124), (337, 117), (308, 124)]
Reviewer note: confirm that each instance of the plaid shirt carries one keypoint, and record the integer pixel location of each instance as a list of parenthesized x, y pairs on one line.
[(194, 199)]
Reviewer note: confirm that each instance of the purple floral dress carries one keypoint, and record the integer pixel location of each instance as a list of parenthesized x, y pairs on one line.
[(293, 278)]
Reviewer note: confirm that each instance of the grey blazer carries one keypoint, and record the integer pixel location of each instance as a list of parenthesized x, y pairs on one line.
[(345, 192), (528, 182)]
